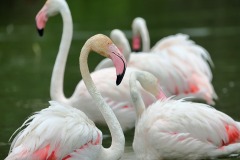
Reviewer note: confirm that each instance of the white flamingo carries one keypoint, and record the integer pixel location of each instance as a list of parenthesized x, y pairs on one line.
[(176, 129), (175, 80), (63, 132), (178, 48), (118, 98)]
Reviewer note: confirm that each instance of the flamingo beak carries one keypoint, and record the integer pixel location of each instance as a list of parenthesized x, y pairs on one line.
[(119, 62), (120, 76), (40, 32), (41, 20), (136, 43)]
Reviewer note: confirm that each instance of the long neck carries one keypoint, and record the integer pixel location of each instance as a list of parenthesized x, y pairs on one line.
[(118, 141), (57, 80), (145, 38), (126, 48), (136, 96)]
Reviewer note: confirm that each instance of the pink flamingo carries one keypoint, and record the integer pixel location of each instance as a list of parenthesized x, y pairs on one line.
[(176, 129), (118, 98), (63, 132), (175, 78)]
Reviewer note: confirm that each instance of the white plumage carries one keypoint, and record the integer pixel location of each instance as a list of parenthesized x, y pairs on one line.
[(60, 131), (176, 129), (176, 66), (171, 129), (178, 49), (117, 97)]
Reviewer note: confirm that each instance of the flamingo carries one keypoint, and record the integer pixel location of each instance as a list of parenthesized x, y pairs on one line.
[(179, 48), (63, 132), (117, 97), (177, 129), (182, 82)]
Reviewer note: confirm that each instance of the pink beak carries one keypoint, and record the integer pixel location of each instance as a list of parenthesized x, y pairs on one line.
[(136, 42), (119, 62), (41, 20)]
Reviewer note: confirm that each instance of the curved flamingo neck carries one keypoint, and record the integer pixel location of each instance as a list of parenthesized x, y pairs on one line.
[(145, 38), (57, 81), (124, 44), (136, 94), (118, 141)]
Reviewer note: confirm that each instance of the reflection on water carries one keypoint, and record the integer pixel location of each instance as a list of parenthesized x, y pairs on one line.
[(26, 61)]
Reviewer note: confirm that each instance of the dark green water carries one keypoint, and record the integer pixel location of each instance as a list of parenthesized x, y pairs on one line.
[(26, 60)]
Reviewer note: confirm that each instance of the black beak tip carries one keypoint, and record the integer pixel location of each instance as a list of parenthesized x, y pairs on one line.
[(40, 32), (120, 77)]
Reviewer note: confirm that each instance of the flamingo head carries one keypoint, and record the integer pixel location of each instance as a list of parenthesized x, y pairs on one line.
[(140, 33), (150, 83), (136, 43), (105, 47), (137, 26), (50, 8)]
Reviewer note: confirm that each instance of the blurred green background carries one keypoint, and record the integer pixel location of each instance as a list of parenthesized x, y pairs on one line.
[(26, 60)]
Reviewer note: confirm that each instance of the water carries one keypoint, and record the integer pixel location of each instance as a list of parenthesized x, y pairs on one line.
[(26, 60)]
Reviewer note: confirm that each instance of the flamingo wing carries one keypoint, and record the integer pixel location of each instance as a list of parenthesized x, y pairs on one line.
[(181, 47), (174, 78), (57, 132)]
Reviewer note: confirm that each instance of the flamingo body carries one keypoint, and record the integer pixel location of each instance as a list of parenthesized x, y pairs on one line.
[(177, 129), (178, 48), (57, 132), (171, 129)]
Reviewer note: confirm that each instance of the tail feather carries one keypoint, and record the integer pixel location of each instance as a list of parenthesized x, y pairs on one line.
[(226, 150)]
